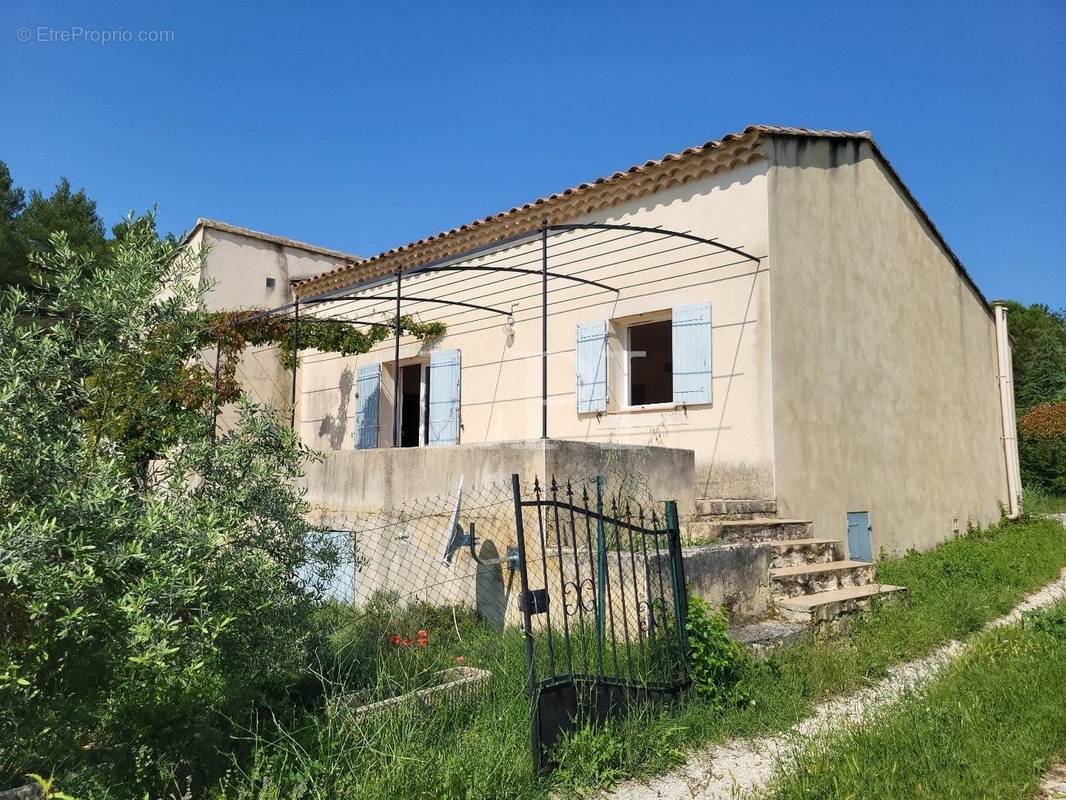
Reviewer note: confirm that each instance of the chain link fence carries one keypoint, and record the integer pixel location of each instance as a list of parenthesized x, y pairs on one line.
[(427, 607)]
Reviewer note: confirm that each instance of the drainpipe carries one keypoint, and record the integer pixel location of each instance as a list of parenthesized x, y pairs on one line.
[(1006, 403)]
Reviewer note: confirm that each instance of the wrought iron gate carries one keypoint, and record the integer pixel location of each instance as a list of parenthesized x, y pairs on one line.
[(603, 606)]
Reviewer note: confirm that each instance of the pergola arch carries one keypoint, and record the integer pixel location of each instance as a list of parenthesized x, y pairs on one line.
[(455, 264)]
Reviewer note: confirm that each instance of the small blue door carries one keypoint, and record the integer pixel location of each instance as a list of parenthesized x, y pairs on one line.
[(860, 548)]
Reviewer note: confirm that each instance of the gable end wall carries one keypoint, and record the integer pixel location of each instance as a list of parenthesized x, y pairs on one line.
[(883, 356)]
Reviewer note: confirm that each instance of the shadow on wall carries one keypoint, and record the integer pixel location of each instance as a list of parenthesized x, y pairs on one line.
[(732, 479), (490, 591), (335, 428), (720, 477)]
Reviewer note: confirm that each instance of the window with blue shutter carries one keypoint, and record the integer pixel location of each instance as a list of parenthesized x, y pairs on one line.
[(592, 367), (692, 353), (445, 370), (367, 403)]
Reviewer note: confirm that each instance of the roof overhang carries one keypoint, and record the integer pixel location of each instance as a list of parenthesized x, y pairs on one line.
[(638, 181), (674, 169)]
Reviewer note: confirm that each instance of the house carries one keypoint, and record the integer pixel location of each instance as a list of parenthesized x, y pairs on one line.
[(243, 268), (764, 324)]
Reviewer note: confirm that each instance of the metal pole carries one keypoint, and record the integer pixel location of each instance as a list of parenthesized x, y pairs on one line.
[(677, 576), (601, 563), (396, 371), (527, 625), (295, 351), (544, 331), (214, 394)]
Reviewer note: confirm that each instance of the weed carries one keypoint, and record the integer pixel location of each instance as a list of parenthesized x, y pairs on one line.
[(1036, 501), (478, 747), (716, 663), (1048, 620)]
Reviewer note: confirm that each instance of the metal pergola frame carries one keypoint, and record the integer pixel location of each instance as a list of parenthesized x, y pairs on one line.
[(454, 264)]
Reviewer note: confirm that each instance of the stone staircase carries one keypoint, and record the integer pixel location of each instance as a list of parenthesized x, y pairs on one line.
[(808, 583)]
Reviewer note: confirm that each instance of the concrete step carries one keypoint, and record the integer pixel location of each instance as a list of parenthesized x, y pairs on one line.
[(763, 529), (748, 531), (807, 579), (794, 552), (766, 636), (827, 607), (699, 532), (734, 509)]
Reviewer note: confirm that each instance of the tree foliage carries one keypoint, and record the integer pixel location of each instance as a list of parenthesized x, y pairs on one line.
[(25, 227), (1038, 346), (143, 614), (13, 263)]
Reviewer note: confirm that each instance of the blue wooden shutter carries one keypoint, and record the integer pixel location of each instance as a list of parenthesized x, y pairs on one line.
[(692, 353), (445, 369), (367, 401), (592, 367)]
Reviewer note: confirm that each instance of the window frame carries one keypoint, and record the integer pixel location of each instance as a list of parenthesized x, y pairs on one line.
[(423, 399), (623, 325)]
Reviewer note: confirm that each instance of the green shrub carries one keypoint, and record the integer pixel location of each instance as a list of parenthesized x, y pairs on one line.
[(717, 665), (145, 614), (1043, 462)]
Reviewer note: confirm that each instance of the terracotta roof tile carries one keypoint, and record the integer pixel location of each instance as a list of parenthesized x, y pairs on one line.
[(713, 156), (732, 150)]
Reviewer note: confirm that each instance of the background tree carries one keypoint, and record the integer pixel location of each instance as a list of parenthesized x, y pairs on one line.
[(1038, 346), (25, 226), (13, 256)]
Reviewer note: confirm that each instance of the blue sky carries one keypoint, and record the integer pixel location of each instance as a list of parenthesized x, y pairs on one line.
[(363, 128)]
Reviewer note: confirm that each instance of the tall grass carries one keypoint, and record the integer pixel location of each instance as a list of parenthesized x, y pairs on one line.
[(462, 745), (1036, 501), (480, 748), (985, 728)]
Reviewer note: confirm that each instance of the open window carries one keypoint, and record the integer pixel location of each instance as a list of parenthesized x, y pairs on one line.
[(660, 359), (651, 363), (414, 404), (427, 402)]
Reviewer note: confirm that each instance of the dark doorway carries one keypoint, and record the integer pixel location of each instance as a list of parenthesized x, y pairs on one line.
[(651, 363), (410, 407)]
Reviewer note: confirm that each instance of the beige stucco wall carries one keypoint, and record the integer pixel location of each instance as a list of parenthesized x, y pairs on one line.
[(397, 511), (356, 481), (501, 377), (236, 268), (884, 384)]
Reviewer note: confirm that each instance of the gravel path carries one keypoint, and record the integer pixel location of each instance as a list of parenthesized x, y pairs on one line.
[(1053, 786), (732, 770)]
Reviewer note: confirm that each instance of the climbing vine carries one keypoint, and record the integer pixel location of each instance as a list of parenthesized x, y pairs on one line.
[(233, 331)]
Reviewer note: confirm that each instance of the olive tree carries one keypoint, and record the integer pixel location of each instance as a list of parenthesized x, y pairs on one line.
[(144, 612)]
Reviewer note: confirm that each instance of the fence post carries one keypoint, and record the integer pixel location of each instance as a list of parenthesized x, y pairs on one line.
[(527, 626), (601, 561), (677, 576)]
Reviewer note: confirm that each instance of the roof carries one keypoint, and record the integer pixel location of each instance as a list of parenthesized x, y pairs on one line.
[(283, 241), (731, 151)]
